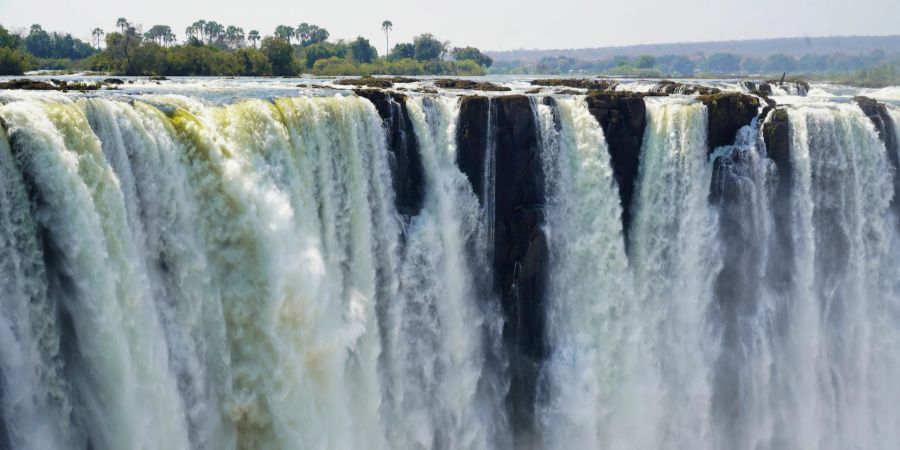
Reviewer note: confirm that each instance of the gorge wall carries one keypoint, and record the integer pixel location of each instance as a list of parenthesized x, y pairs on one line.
[(390, 270)]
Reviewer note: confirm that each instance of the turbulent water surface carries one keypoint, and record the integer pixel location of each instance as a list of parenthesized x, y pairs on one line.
[(180, 270)]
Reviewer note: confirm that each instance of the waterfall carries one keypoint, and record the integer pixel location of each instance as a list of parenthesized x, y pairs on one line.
[(435, 322), (840, 342), (587, 372), (435, 272)]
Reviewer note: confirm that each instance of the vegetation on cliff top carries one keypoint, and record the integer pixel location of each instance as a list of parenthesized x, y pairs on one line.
[(211, 48)]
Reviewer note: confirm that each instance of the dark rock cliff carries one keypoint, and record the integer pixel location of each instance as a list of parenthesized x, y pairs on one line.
[(727, 113), (406, 162), (884, 124), (622, 116), (520, 245)]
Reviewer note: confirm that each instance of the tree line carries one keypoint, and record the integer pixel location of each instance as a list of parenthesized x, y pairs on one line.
[(837, 66), (212, 48)]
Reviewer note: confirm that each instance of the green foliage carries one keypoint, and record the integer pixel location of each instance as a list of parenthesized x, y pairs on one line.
[(310, 34), (428, 48), (403, 51), (14, 61), (335, 66), (362, 52), (472, 54), (9, 40), (322, 50), (280, 54), (55, 45)]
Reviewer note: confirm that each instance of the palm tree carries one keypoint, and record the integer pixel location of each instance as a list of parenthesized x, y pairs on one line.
[(253, 36), (95, 34), (122, 24), (386, 26)]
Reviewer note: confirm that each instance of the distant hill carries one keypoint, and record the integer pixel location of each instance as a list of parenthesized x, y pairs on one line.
[(850, 45)]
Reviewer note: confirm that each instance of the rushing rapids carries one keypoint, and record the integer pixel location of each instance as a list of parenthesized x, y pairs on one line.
[(389, 270)]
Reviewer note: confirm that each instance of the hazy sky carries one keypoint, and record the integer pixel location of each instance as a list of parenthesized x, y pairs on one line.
[(487, 24)]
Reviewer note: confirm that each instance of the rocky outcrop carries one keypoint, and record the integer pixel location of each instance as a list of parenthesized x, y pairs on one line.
[(600, 85), (406, 163), (728, 113), (520, 245), (884, 124), (622, 115), (758, 87), (374, 82), (777, 137), (458, 83), (53, 85), (667, 87)]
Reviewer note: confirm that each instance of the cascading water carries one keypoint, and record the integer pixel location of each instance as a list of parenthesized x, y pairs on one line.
[(255, 274)]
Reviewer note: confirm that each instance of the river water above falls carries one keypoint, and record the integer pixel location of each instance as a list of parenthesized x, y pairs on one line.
[(245, 264)]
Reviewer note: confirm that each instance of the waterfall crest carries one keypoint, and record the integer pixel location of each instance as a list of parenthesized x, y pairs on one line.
[(390, 271)]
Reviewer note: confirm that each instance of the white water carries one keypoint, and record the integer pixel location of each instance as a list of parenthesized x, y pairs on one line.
[(225, 269), (180, 275)]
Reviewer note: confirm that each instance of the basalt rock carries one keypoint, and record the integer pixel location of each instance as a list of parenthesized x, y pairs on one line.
[(777, 137), (53, 85), (793, 85), (757, 86), (458, 83), (599, 85), (727, 113), (520, 245), (884, 124), (622, 116), (406, 162), (374, 82), (667, 87)]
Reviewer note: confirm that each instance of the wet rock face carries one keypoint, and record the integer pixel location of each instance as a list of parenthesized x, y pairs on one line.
[(777, 136), (728, 113), (406, 163), (622, 116), (884, 124), (600, 85), (667, 87), (520, 244), (457, 83), (471, 140)]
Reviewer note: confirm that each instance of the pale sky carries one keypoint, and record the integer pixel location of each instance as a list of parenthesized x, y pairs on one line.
[(489, 25)]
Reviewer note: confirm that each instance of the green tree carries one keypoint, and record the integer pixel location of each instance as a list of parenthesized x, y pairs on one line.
[(310, 34), (253, 37), (285, 32), (122, 24), (159, 34), (38, 42), (402, 51), (13, 61), (472, 54), (428, 48), (234, 37), (197, 30), (387, 26), (215, 33), (96, 34), (362, 51), (280, 54)]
